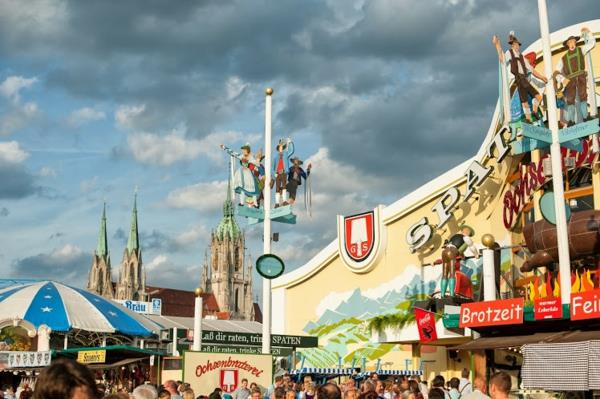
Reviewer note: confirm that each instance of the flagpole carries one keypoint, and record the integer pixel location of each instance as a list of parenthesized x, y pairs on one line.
[(564, 263), (266, 311)]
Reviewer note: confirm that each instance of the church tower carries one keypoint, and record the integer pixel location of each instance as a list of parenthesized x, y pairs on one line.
[(100, 279), (132, 279), (225, 272)]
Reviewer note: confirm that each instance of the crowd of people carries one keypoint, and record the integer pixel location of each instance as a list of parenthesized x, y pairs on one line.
[(69, 379)]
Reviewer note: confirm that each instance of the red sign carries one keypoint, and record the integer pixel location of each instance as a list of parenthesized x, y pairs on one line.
[(492, 313), (359, 233), (547, 308), (585, 305), (426, 325), (229, 380)]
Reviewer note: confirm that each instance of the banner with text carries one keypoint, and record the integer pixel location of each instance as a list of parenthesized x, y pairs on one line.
[(206, 371), (491, 313), (585, 305), (547, 308)]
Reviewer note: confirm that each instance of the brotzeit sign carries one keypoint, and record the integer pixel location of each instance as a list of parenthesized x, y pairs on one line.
[(491, 313)]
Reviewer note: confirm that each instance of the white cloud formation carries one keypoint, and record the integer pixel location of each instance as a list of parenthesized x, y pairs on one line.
[(87, 186), (84, 115), (206, 197), (11, 87), (12, 153), (66, 253), (192, 236), (126, 115), (156, 263), (154, 149)]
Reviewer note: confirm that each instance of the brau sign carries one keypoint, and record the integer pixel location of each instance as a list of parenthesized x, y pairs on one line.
[(491, 313)]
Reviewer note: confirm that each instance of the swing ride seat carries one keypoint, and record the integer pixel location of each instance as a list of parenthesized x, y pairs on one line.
[(283, 214)]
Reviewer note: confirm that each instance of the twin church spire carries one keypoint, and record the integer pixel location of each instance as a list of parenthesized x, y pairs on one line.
[(132, 280)]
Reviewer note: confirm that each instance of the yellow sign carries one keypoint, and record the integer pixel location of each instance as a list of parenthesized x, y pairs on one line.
[(88, 357)]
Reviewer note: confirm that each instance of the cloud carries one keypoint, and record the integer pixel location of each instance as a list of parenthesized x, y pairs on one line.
[(157, 241), (84, 115), (12, 153), (165, 150), (4, 212), (11, 87), (68, 264), (162, 271), (206, 197), (127, 116), (89, 185), (17, 182)]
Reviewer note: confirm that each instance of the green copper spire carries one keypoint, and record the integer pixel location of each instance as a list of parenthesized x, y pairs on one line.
[(102, 248), (228, 227), (133, 243)]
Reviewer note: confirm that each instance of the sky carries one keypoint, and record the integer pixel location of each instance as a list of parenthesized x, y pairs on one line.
[(99, 99)]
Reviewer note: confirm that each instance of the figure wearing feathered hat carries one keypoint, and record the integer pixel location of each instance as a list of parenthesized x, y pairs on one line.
[(571, 67), (295, 176), (281, 166), (520, 68)]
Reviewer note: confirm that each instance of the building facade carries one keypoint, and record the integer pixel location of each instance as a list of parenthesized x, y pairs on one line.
[(364, 285), (226, 272)]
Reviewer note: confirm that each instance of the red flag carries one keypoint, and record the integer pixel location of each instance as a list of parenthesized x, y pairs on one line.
[(426, 325)]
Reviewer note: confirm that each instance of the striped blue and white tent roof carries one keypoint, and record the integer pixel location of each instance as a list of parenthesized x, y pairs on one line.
[(320, 370), (63, 308)]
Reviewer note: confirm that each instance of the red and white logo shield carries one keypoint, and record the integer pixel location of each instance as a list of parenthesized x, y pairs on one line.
[(229, 380), (359, 235)]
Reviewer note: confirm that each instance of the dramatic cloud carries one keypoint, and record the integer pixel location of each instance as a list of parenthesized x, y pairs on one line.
[(68, 264), (163, 272), (126, 116), (84, 115), (4, 212)]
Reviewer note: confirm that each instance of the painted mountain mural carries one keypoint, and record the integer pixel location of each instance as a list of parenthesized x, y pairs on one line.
[(342, 317)]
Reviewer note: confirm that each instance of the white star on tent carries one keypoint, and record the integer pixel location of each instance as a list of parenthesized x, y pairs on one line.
[(46, 309), (112, 313), (48, 297)]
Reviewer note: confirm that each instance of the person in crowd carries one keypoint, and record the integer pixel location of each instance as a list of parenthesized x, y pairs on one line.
[(164, 394), (299, 388), (121, 395), (309, 390), (439, 383), (368, 385), (454, 384), (380, 389), (351, 394), (64, 379), (480, 390), (290, 394), (188, 394), (256, 393), (423, 388), (278, 393), (413, 388), (145, 391), (8, 391), (436, 393), (26, 394), (465, 387), (374, 376), (171, 386), (500, 385), (370, 394), (243, 392), (329, 391), (216, 394), (277, 383)]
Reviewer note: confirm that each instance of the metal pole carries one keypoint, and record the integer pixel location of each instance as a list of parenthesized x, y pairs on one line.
[(564, 263), (174, 349), (266, 322), (197, 342), (489, 275)]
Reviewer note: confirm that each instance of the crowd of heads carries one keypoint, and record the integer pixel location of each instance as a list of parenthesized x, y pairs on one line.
[(70, 379)]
